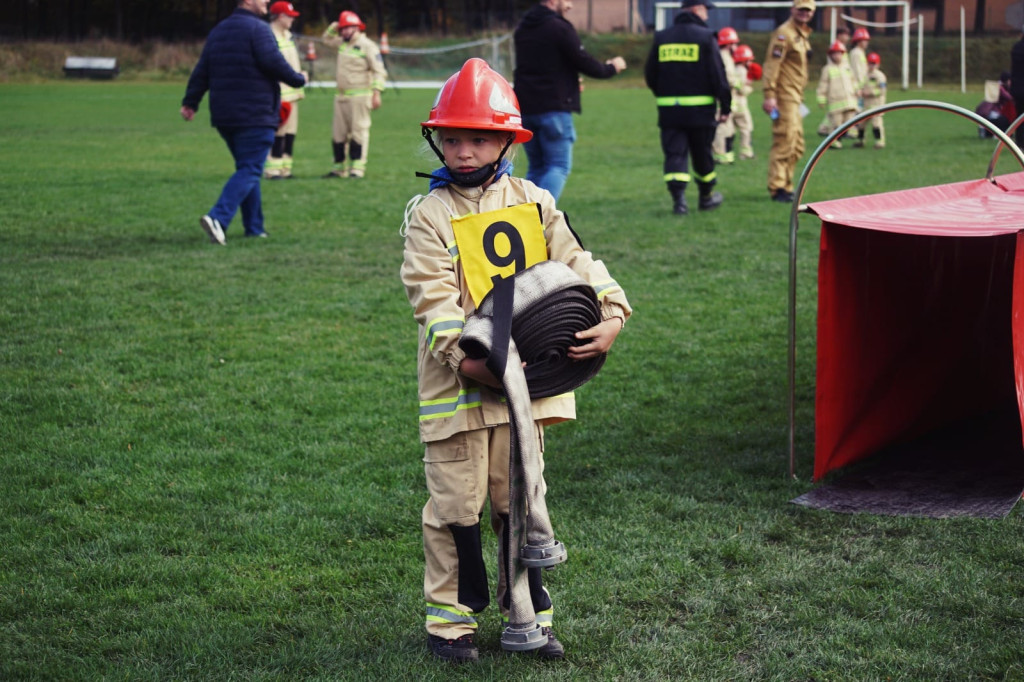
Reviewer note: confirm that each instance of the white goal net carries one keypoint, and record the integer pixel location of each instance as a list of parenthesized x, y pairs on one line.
[(410, 67)]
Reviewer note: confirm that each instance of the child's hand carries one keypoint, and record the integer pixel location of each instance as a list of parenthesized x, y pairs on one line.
[(602, 337), (476, 369)]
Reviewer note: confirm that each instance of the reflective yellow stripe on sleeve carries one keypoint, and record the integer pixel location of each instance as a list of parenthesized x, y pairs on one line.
[(447, 407)]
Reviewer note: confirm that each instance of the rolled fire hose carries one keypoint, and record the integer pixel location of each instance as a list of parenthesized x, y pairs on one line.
[(531, 317)]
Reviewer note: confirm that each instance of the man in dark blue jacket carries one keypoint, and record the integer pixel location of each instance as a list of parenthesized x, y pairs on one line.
[(685, 71), (549, 61), (241, 66)]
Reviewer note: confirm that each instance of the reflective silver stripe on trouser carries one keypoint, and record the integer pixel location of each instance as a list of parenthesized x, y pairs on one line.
[(438, 613)]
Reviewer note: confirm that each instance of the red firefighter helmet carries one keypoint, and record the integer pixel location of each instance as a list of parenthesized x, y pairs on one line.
[(727, 36), (837, 47), (874, 58), (860, 33), (350, 18), (478, 98), (742, 54), (754, 72)]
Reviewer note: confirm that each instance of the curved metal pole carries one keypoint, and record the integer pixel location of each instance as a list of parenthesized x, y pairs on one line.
[(797, 208), (999, 146)]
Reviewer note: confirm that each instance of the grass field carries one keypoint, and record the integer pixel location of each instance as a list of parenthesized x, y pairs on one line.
[(210, 467)]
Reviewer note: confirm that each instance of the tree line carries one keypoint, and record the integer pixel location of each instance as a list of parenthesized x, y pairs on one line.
[(175, 20)]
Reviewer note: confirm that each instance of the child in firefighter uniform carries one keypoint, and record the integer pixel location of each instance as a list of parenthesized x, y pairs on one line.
[(873, 93), (743, 58), (725, 132), (836, 91), (463, 420), (279, 163), (361, 77)]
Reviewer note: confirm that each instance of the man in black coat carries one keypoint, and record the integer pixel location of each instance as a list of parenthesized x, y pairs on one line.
[(241, 67), (684, 70), (549, 61)]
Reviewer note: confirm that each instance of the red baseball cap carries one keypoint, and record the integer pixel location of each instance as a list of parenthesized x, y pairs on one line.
[(282, 7)]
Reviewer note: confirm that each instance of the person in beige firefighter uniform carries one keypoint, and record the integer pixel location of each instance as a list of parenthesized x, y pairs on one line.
[(859, 56), (843, 36), (873, 93), (785, 77), (836, 93), (725, 132), (463, 421), (279, 163), (361, 77), (741, 88)]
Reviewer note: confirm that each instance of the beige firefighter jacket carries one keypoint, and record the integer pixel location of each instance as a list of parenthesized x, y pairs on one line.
[(859, 66), (785, 62), (360, 68), (741, 87), (286, 43), (435, 283), (836, 91), (874, 89)]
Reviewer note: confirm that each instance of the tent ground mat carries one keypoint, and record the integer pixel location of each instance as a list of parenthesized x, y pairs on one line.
[(975, 468)]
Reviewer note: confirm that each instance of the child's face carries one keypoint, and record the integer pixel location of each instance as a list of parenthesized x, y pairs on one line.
[(836, 57), (467, 150)]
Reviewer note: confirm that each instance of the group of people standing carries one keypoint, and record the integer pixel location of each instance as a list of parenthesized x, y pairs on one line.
[(251, 70)]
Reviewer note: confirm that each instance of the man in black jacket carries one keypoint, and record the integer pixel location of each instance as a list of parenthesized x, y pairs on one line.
[(241, 67), (685, 71), (549, 61)]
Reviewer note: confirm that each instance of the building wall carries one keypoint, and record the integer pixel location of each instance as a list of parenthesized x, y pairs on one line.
[(604, 16)]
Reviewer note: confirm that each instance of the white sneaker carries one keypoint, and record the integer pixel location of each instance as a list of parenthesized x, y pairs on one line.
[(211, 226)]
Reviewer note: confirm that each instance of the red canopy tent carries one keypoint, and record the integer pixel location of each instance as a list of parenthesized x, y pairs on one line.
[(920, 307), (920, 313)]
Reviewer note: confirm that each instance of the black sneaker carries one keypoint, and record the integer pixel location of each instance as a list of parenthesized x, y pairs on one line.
[(553, 649), (711, 201), (782, 196), (459, 650)]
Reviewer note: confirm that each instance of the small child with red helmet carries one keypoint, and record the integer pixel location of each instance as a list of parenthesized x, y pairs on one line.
[(741, 88), (725, 131), (477, 225), (361, 76), (873, 93), (836, 92)]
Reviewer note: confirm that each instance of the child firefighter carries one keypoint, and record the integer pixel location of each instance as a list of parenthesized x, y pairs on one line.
[(836, 91), (464, 421)]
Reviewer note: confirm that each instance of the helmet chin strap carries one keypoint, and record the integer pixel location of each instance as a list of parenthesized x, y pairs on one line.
[(473, 178)]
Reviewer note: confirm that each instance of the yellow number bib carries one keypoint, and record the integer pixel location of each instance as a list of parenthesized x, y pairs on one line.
[(498, 244)]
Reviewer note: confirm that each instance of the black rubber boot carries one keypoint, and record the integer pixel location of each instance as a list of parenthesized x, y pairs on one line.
[(710, 201), (460, 650), (678, 191)]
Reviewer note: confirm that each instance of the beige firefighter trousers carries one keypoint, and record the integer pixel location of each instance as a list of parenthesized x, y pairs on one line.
[(787, 146), (462, 473), (352, 124)]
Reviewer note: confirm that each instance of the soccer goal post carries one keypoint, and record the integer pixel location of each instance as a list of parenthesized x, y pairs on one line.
[(665, 11), (423, 67)]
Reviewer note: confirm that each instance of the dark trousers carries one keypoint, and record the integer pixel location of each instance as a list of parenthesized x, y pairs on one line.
[(680, 145)]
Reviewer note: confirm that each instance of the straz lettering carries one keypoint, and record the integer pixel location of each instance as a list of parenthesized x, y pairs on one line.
[(679, 52)]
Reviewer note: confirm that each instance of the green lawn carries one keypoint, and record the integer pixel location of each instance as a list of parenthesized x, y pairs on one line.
[(209, 465)]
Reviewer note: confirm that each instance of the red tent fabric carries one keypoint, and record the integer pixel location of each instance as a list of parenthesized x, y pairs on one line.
[(920, 313)]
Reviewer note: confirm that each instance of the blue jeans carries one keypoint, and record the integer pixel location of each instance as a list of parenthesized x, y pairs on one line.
[(249, 147), (550, 150)]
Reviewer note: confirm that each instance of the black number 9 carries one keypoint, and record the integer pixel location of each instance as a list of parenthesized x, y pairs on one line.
[(517, 251)]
